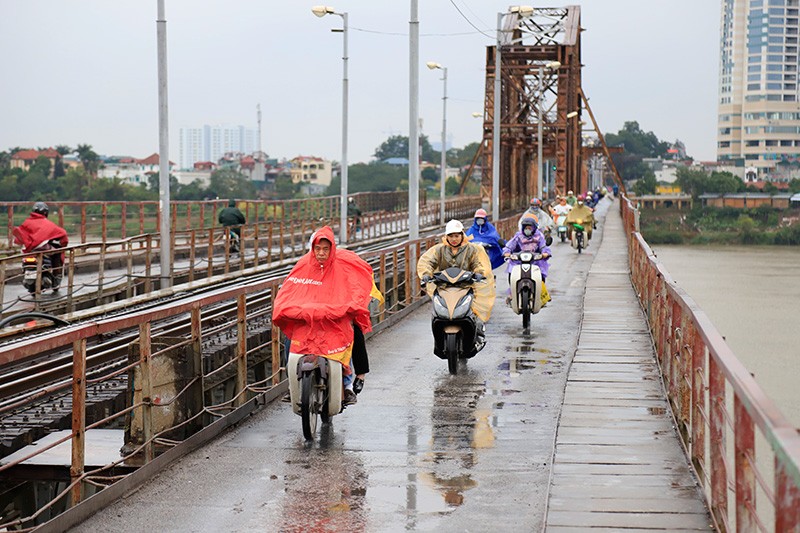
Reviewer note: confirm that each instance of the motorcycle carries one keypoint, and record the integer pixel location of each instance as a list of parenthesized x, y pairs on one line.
[(526, 286), (47, 276), (561, 227), (315, 390), (233, 242), (578, 233), (455, 328)]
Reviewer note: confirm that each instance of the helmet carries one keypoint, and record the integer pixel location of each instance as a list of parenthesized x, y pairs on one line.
[(454, 226), (41, 208), (530, 220), (481, 213), (581, 197), (570, 193), (535, 202)]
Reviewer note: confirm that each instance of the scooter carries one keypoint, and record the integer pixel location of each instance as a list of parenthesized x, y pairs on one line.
[(32, 271), (578, 233), (233, 242), (526, 286), (455, 328), (315, 390), (561, 225)]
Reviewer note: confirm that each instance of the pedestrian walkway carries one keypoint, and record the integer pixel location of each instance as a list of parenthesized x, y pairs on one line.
[(618, 461)]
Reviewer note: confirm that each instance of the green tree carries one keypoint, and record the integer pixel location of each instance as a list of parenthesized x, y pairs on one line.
[(191, 191), (794, 185), (461, 157), (89, 159), (637, 144), (430, 174), (397, 146), (646, 184), (63, 149), (73, 184), (41, 165), (154, 183), (285, 188), (229, 183)]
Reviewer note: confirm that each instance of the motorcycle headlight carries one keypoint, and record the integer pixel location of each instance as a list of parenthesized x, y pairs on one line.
[(440, 307), (463, 306)]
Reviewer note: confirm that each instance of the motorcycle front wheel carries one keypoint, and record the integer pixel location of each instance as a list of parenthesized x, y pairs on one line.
[(451, 349), (580, 242), (525, 300), (308, 404)]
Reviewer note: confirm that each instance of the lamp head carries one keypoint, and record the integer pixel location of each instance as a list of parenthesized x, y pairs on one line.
[(477, 114), (523, 11), (572, 114), (433, 65), (555, 65), (321, 11)]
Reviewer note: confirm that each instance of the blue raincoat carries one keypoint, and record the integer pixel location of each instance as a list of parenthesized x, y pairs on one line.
[(487, 233)]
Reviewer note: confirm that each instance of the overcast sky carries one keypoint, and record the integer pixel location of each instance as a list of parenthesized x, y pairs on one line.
[(84, 71)]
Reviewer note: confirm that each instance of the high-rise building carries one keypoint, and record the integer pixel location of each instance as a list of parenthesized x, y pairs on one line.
[(210, 143), (759, 113)]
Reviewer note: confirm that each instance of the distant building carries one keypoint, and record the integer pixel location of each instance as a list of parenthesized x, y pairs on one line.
[(314, 173), (25, 158), (746, 200), (210, 143), (758, 109), (130, 170)]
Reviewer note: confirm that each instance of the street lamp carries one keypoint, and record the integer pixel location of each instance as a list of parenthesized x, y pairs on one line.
[(433, 66), (553, 65), (163, 148), (477, 114), (321, 11)]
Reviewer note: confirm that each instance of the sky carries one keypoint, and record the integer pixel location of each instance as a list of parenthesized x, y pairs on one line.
[(85, 71)]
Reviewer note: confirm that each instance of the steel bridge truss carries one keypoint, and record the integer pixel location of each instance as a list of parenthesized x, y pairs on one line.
[(533, 86)]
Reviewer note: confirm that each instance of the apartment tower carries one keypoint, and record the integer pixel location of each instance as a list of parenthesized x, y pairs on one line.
[(759, 113)]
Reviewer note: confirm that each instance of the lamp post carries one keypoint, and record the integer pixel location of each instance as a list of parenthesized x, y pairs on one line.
[(163, 149), (553, 65), (321, 11), (413, 122), (433, 66)]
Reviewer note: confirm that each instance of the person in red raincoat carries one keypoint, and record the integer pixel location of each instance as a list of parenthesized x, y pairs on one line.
[(326, 293), (36, 232)]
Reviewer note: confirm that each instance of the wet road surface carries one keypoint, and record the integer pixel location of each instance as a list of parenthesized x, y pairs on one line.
[(422, 450)]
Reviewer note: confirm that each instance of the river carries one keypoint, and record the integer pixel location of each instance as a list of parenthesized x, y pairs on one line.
[(752, 295)]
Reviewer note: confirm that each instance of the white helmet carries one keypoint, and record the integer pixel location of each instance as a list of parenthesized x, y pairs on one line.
[(454, 226)]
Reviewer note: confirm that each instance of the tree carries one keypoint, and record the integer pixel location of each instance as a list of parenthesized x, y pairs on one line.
[(63, 149), (397, 146), (89, 159), (646, 184), (229, 183), (430, 174), (372, 177), (41, 165), (463, 156), (697, 182), (154, 183), (637, 145), (794, 185)]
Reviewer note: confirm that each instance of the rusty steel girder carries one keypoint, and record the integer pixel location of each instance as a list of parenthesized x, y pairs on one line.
[(532, 86)]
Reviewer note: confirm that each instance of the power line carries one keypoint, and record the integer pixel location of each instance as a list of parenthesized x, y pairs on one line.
[(364, 30), (469, 21)]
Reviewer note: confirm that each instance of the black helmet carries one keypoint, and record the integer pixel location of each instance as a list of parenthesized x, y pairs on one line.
[(41, 208)]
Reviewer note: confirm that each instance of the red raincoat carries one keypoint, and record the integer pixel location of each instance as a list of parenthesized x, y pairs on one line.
[(318, 303), (37, 229)]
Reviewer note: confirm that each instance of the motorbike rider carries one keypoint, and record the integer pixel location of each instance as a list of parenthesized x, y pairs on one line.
[(37, 232), (455, 250), (325, 294), (354, 212), (232, 216), (546, 223), (571, 199), (483, 232), (527, 239), (581, 212)]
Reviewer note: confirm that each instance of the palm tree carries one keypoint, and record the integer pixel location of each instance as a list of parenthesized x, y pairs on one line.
[(89, 159)]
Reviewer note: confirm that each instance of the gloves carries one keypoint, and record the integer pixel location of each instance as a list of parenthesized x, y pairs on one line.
[(426, 279), (478, 277)]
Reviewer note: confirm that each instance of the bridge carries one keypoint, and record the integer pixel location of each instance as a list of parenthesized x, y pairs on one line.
[(621, 409)]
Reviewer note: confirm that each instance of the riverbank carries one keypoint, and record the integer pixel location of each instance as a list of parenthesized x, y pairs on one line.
[(710, 225)]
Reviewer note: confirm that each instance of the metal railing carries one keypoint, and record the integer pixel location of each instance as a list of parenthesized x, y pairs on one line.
[(92, 221), (396, 278), (718, 406), (127, 265)]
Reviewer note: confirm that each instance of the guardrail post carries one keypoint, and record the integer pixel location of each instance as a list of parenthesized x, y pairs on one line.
[(787, 499), (275, 339), (382, 286), (101, 267), (78, 420), (255, 241), (2, 281), (407, 280), (227, 243), (699, 406), (718, 451), (104, 221), (745, 451), (148, 284), (124, 228), (10, 228), (144, 371), (269, 245), (192, 244), (241, 350), (197, 354), (129, 259), (210, 254), (83, 224)]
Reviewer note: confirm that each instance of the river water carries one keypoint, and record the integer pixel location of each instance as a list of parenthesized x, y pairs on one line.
[(752, 295)]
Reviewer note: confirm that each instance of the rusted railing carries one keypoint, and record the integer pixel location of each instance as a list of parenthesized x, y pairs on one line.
[(720, 409), (251, 304), (93, 221), (130, 264)]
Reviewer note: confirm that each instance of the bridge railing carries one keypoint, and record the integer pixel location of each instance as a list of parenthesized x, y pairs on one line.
[(750, 484), (94, 220), (237, 318)]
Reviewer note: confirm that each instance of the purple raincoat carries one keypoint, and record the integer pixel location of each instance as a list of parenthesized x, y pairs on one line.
[(535, 243)]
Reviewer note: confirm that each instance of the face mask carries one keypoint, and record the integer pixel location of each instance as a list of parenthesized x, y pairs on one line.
[(479, 221), (580, 203), (528, 232)]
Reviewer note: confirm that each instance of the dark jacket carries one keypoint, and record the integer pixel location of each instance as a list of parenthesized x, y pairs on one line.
[(231, 216)]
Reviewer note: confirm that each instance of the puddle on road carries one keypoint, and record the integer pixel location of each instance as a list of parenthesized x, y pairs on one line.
[(657, 410)]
